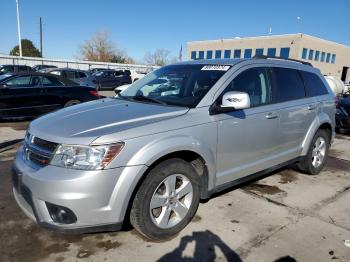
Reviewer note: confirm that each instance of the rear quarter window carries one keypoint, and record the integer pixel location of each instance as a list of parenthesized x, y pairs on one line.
[(313, 84), (287, 85)]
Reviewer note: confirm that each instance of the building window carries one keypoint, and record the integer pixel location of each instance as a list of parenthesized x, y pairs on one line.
[(317, 55), (248, 53), (209, 54), (311, 54), (323, 55), (193, 55), (328, 58), (218, 54), (237, 53), (201, 55), (284, 52), (333, 58), (227, 54), (304, 54), (271, 52), (259, 51)]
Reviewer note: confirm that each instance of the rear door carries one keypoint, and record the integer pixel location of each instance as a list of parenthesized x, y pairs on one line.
[(296, 109), (52, 92)]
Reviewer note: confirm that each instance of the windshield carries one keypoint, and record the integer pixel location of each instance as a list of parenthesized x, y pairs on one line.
[(178, 85)]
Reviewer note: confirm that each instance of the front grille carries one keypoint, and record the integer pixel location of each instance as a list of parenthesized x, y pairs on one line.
[(37, 150)]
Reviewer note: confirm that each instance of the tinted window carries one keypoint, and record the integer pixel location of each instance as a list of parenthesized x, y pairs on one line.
[(287, 84), (247, 53), (313, 84), (254, 82), (323, 54), (209, 54), (237, 53), (50, 81), (311, 54), (227, 54), (284, 52), (6, 69), (82, 74), (35, 81), (201, 54), (259, 51), (218, 54), (193, 55), (317, 55), (304, 54), (333, 58), (271, 51), (23, 68), (56, 73), (70, 74), (19, 81)]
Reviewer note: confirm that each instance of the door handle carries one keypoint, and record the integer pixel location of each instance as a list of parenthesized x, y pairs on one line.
[(271, 116), (311, 107)]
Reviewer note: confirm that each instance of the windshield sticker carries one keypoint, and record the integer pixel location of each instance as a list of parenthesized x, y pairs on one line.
[(216, 67)]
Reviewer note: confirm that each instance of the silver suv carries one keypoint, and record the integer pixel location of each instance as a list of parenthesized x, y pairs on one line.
[(174, 137)]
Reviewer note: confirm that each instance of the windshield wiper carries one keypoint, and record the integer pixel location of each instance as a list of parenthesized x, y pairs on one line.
[(146, 98)]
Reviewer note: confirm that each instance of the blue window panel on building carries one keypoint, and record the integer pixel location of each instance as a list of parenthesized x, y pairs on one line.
[(323, 55), (193, 55), (259, 51), (284, 52), (209, 54), (201, 54), (328, 58), (227, 54), (333, 58), (218, 54), (271, 52), (311, 54), (317, 55), (304, 54), (248, 53), (237, 53)]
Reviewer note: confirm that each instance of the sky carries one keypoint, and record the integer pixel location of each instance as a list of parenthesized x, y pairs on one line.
[(138, 26)]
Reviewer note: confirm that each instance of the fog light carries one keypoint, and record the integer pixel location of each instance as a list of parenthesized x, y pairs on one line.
[(60, 214)]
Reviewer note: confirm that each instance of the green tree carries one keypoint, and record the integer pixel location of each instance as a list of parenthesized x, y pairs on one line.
[(28, 49)]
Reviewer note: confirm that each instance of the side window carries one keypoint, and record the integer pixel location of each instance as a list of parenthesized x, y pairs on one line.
[(287, 84), (50, 81), (313, 84), (19, 81), (82, 75), (70, 74), (35, 81), (58, 73), (253, 81)]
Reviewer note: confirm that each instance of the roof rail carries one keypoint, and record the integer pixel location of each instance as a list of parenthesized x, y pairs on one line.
[(282, 58)]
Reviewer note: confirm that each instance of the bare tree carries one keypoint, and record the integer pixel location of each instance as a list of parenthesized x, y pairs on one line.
[(101, 48), (159, 57)]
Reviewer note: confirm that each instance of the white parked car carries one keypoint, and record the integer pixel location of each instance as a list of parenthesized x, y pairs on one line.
[(136, 75)]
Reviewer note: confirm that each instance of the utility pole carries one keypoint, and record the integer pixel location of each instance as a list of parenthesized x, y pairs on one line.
[(41, 38), (19, 30)]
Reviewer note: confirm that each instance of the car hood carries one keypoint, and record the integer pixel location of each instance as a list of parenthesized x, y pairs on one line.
[(83, 123)]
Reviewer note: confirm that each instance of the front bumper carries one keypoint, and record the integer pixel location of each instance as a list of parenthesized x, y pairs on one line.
[(99, 198)]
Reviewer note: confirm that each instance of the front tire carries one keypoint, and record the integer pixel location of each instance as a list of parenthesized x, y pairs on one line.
[(167, 200), (317, 154)]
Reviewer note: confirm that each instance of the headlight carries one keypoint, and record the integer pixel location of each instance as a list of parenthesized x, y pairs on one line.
[(85, 157)]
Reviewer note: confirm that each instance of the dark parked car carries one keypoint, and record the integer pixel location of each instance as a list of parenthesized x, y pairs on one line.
[(109, 79), (27, 95), (81, 77), (41, 67), (342, 115), (4, 69)]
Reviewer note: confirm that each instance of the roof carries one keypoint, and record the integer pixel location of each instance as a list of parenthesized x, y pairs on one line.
[(65, 81)]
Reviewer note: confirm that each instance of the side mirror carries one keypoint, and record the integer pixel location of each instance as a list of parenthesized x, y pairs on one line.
[(231, 101)]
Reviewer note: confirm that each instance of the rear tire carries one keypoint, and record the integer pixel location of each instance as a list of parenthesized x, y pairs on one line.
[(316, 156), (167, 200), (72, 103)]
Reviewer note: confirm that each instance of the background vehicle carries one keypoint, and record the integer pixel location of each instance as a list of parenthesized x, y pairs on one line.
[(80, 77), (110, 79), (40, 67), (32, 94), (14, 69), (135, 75), (179, 134), (336, 85), (342, 115)]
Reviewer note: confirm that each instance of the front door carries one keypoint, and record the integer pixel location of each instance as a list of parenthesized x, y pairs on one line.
[(248, 139)]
